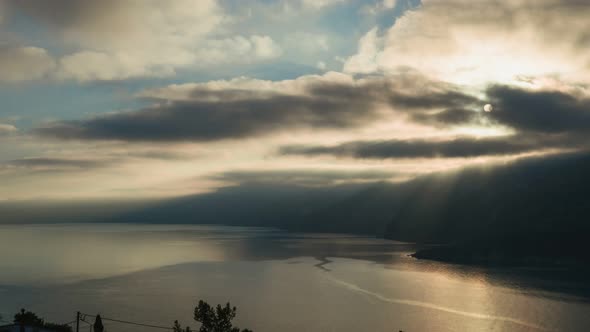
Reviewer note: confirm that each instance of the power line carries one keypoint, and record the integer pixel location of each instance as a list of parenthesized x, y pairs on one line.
[(131, 323), (138, 324)]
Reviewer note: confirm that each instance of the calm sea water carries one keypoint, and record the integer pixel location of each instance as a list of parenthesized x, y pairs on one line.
[(279, 281)]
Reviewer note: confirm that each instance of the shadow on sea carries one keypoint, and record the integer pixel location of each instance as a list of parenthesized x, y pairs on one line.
[(564, 283), (251, 244)]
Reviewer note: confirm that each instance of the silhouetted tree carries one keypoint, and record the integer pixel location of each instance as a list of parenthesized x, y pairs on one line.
[(178, 328), (216, 320), (213, 319), (28, 318), (98, 327)]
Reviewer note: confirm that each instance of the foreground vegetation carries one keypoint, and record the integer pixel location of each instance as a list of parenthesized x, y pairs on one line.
[(28, 318), (213, 319)]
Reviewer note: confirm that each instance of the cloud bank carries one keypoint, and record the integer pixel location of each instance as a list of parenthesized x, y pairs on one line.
[(408, 101)]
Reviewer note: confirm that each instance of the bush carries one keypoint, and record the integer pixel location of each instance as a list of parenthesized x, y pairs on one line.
[(31, 319)]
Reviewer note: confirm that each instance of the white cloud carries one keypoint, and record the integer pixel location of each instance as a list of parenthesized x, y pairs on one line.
[(318, 4), (120, 39), (376, 8), (389, 3), (265, 47), (476, 42), (307, 43), (236, 50), (24, 63), (250, 87), (125, 25), (365, 61), (6, 129), (91, 66)]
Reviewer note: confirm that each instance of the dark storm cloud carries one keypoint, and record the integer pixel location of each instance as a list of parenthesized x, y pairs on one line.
[(66, 13), (209, 121), (432, 100), (55, 163), (539, 111), (304, 177), (158, 155), (541, 119), (456, 148), (211, 115), (446, 117)]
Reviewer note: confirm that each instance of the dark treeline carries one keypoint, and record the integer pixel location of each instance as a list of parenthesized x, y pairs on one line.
[(26, 318)]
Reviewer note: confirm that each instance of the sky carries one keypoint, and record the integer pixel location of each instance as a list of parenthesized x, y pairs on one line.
[(149, 98)]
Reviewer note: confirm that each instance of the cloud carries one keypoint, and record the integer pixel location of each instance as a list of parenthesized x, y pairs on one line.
[(221, 110), (101, 66), (464, 147), (112, 24), (413, 92), (24, 63), (265, 47), (365, 60), (540, 120), (238, 49), (121, 39), (208, 121), (49, 163), (7, 129), (477, 42), (163, 154), (433, 98), (304, 177), (537, 120), (318, 4), (244, 107), (539, 111), (98, 66), (379, 6)]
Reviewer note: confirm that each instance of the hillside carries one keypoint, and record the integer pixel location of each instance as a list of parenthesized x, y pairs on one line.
[(530, 201)]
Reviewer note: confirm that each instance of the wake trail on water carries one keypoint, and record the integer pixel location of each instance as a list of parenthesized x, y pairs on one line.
[(433, 306)]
